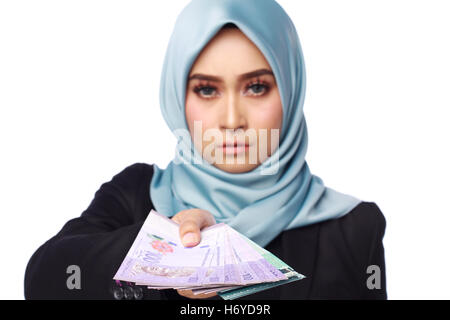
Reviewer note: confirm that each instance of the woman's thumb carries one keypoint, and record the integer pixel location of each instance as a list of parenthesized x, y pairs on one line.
[(190, 233)]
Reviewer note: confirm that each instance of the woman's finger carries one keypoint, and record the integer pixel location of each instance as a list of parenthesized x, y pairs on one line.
[(191, 295), (190, 232), (191, 222)]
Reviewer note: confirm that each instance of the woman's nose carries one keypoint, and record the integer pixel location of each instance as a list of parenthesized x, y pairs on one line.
[(233, 116)]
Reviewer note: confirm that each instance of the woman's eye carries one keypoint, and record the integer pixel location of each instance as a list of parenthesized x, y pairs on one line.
[(205, 91), (255, 89), (258, 88)]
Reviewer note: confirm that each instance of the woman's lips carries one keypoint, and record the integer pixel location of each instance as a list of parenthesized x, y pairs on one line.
[(236, 148)]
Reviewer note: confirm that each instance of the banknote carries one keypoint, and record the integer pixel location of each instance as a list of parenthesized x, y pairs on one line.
[(233, 292), (158, 257), (251, 252), (225, 261), (291, 274)]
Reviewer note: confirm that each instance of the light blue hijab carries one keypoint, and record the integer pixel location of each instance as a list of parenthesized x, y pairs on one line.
[(281, 193)]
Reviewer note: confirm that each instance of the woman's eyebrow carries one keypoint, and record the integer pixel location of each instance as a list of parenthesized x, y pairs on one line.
[(244, 76)]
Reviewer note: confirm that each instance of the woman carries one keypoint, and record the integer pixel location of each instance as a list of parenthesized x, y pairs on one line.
[(232, 91)]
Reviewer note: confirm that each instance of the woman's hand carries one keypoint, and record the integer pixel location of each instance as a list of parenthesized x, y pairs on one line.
[(191, 222), (191, 295)]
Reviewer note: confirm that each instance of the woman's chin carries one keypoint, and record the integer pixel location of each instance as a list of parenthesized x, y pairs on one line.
[(236, 168)]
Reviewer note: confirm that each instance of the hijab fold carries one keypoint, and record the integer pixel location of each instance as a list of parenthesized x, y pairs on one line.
[(281, 193)]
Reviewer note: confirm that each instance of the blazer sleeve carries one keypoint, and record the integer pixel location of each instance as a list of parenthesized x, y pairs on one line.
[(96, 242), (366, 240), (376, 267)]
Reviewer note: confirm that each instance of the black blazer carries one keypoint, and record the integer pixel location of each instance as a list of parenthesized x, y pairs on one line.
[(334, 255)]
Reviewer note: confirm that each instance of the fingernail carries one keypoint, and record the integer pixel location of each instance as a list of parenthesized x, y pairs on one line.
[(190, 239)]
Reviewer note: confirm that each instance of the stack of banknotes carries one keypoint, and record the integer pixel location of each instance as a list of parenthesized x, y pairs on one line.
[(225, 261)]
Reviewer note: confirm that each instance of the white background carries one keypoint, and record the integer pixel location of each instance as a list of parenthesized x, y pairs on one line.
[(79, 101)]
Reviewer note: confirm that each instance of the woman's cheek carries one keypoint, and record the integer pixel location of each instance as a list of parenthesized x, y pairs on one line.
[(198, 121), (268, 118)]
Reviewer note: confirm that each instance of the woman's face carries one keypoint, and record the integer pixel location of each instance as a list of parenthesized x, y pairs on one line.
[(233, 99)]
